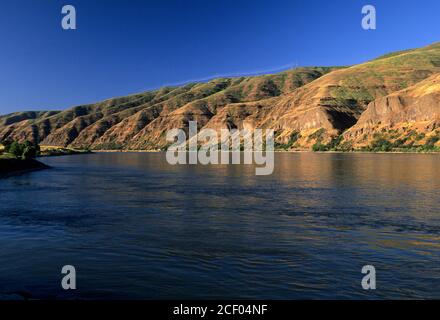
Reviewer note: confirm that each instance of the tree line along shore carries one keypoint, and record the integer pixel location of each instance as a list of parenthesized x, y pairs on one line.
[(18, 158)]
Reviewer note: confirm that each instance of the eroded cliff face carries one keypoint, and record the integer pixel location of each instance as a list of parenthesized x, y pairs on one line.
[(411, 116), (335, 102), (305, 107)]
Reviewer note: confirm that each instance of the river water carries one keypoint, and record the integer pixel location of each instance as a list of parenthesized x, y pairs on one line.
[(135, 227)]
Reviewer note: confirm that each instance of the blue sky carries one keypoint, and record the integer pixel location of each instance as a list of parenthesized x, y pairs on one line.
[(129, 46)]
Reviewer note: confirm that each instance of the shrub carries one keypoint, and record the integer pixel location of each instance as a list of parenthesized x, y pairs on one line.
[(336, 141), (23, 151), (332, 146), (16, 149), (430, 143), (382, 144), (317, 134), (292, 140), (319, 147), (30, 152)]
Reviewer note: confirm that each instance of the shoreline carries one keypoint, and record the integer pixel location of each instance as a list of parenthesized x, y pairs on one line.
[(126, 151), (62, 152), (284, 151), (10, 167), (15, 167)]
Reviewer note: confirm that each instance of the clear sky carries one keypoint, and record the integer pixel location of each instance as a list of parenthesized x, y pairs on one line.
[(128, 46)]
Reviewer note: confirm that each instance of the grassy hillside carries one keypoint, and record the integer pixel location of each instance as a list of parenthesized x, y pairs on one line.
[(334, 102), (119, 123), (307, 107)]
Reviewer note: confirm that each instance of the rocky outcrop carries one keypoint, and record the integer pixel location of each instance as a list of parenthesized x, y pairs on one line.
[(413, 112)]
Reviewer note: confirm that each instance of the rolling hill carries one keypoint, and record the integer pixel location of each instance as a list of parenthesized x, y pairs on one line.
[(330, 106)]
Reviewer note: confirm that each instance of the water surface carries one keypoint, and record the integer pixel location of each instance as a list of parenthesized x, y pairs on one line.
[(135, 227)]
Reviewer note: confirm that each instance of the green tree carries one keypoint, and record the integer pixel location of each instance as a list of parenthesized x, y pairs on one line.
[(319, 147), (16, 149), (23, 151), (30, 152)]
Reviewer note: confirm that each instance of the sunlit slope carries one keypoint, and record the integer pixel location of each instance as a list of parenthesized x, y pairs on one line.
[(132, 121), (305, 106), (407, 118), (334, 102)]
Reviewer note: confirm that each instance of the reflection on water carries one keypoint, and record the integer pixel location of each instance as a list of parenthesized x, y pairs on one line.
[(135, 227)]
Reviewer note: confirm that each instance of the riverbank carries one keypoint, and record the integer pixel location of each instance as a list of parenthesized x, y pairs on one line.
[(12, 167), (127, 151), (46, 151), (288, 151)]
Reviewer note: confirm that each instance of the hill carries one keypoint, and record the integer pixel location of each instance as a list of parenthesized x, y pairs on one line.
[(127, 122), (305, 106), (409, 118)]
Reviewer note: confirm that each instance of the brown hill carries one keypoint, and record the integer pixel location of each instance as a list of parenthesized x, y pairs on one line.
[(333, 103), (306, 106), (138, 121), (407, 118)]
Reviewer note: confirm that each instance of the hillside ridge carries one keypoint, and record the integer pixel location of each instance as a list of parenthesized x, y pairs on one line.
[(305, 106)]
